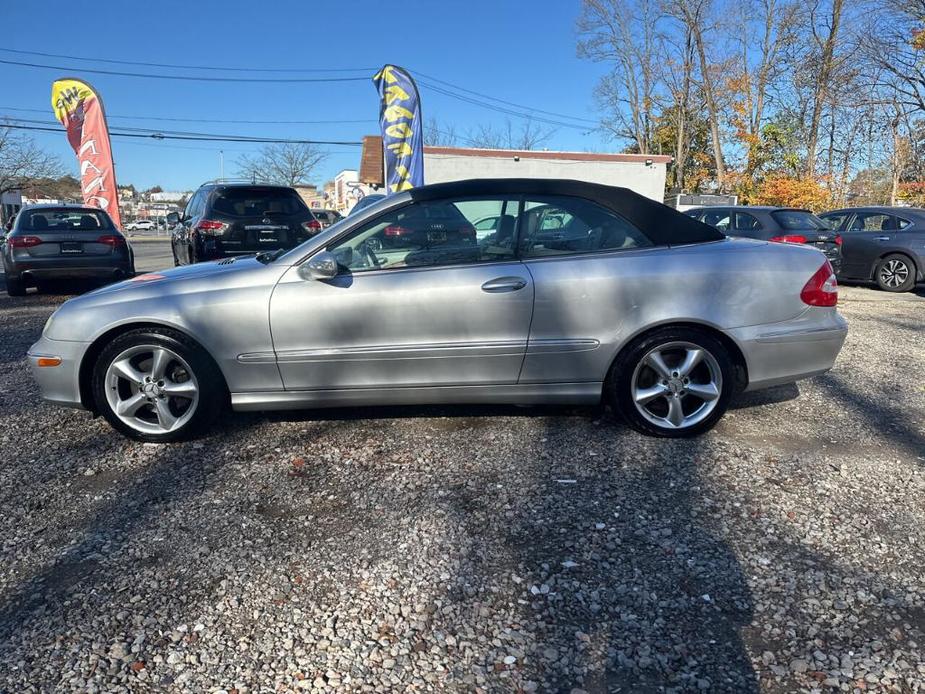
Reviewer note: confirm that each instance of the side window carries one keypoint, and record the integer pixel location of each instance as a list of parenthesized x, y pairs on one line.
[(835, 221), (194, 206), (746, 222), (902, 223), (717, 218), (559, 225), (872, 222), (431, 233)]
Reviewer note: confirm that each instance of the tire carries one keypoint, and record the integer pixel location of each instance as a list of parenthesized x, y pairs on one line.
[(15, 286), (703, 398), (895, 273), (144, 391)]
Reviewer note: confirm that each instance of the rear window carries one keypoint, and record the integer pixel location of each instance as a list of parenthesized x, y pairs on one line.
[(66, 220), (254, 202), (798, 220)]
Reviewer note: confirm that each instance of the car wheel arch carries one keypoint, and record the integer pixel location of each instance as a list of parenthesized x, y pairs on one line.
[(92, 353), (916, 270), (738, 357)]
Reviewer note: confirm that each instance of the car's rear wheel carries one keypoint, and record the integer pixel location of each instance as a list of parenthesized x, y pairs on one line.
[(15, 286), (157, 385), (673, 382), (895, 273)]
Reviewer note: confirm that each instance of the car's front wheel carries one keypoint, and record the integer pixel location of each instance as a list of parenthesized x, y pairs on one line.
[(157, 385), (895, 273), (673, 382)]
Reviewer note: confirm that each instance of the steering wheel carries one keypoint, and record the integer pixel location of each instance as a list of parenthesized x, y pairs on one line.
[(368, 255)]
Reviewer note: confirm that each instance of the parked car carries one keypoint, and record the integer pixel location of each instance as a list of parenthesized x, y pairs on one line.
[(53, 242), (780, 224), (365, 202), (326, 217), (224, 220), (650, 309), (140, 225), (883, 244)]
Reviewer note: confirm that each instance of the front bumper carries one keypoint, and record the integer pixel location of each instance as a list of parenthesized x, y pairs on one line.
[(779, 353), (58, 384)]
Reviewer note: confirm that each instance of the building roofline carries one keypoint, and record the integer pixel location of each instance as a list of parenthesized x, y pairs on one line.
[(540, 154)]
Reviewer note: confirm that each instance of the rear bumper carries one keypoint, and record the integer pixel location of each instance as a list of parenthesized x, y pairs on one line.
[(784, 352), (72, 268), (58, 384)]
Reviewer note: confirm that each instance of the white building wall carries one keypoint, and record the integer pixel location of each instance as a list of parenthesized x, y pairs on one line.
[(645, 179)]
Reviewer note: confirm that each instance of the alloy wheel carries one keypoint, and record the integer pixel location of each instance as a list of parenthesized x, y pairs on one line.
[(676, 385), (894, 273), (151, 389)]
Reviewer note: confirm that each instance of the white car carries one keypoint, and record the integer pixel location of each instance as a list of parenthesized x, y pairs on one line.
[(140, 225)]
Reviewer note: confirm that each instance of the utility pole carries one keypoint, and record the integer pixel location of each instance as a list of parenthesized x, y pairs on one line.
[(221, 163)]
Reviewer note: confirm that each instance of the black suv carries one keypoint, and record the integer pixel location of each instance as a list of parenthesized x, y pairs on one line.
[(229, 219), (781, 224)]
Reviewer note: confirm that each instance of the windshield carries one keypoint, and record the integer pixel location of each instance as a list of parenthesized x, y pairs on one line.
[(254, 202), (330, 232), (794, 220), (64, 219)]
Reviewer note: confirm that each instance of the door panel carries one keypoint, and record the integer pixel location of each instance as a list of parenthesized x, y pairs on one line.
[(407, 327), (864, 240)]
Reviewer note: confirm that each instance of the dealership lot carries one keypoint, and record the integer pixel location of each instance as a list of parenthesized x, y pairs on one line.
[(501, 548)]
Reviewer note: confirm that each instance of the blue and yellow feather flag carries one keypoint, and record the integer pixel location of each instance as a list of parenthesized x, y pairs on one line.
[(402, 128)]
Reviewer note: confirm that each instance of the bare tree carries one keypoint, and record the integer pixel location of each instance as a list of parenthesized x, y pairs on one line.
[(22, 161), (530, 135), (286, 164), (825, 39), (695, 15), (774, 22), (624, 34), (439, 134)]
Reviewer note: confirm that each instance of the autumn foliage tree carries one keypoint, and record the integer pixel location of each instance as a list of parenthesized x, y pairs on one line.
[(790, 191)]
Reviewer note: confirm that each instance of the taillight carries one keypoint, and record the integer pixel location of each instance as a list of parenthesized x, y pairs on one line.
[(822, 287), (467, 232), (789, 238), (25, 241), (395, 230), (210, 227), (111, 240), (838, 239), (313, 226)]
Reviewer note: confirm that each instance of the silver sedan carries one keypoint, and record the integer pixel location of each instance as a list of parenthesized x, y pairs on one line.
[(576, 293)]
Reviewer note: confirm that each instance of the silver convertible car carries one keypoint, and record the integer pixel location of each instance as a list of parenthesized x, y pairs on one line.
[(574, 293)]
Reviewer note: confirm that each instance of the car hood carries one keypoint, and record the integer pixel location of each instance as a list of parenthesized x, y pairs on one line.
[(170, 279), (155, 289)]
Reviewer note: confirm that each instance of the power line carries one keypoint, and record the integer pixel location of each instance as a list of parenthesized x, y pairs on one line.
[(188, 67), (502, 101), (190, 78), (525, 112), (210, 120), (198, 138), (501, 109), (147, 131)]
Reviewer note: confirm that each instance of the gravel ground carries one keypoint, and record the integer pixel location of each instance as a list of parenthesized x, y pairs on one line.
[(476, 549)]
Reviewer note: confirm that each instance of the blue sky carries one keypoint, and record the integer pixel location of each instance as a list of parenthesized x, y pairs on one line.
[(523, 52)]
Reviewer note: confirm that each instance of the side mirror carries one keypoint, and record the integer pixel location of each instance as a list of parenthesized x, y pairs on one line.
[(321, 266), (173, 218)]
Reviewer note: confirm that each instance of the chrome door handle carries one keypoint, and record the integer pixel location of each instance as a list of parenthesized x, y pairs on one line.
[(881, 238), (504, 284)]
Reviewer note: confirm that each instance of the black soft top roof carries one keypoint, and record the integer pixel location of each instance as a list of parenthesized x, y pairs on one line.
[(662, 224)]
